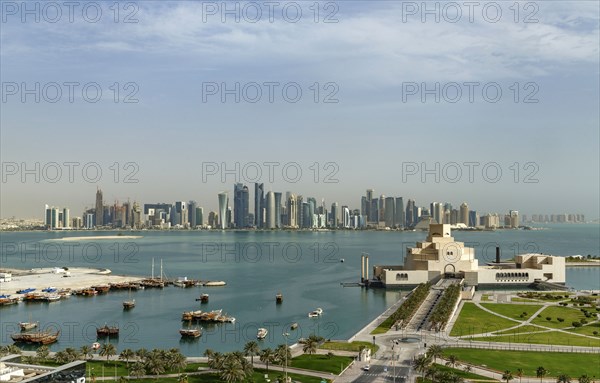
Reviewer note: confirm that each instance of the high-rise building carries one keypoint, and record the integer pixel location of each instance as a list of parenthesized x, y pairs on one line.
[(181, 209), (199, 216), (99, 208), (192, 214), (259, 201), (514, 218), (473, 218), (411, 213), (213, 219), (437, 212), (374, 211), (270, 210), (292, 211), (369, 204), (241, 202), (346, 217), (66, 220), (400, 215), (390, 212), (277, 210), (381, 217), (223, 205), (335, 215), (464, 214)]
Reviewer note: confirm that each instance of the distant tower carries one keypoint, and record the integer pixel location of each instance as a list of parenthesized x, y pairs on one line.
[(270, 210), (390, 212), (99, 208), (66, 218), (335, 215), (292, 211), (464, 213), (223, 204), (259, 201), (241, 200), (400, 216), (277, 210)]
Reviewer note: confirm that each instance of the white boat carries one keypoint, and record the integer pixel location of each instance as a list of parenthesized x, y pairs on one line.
[(316, 313), (215, 283), (262, 333), (95, 346)]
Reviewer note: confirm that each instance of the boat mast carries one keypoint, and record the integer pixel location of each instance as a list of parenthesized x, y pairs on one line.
[(161, 270), (152, 268)]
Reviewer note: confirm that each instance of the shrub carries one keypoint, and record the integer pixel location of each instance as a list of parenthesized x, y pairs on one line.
[(576, 324), (560, 319)]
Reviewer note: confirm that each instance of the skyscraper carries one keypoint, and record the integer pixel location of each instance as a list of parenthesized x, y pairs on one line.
[(292, 211), (241, 202), (278, 210), (66, 218), (192, 214), (99, 208), (464, 213), (199, 216), (390, 212), (345, 217), (369, 204), (270, 210), (259, 201), (400, 216), (410, 213), (223, 204), (335, 215)]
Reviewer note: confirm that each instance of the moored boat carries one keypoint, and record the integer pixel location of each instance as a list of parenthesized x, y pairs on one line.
[(129, 304), (279, 298), (294, 326), (203, 298), (214, 283), (26, 326), (107, 331), (262, 333), (40, 337), (190, 333), (316, 313)]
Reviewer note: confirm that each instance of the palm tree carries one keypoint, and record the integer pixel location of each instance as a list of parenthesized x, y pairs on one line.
[(232, 369), (435, 351), (584, 379), (155, 364), (251, 349), (208, 353), (420, 364), (86, 351), (61, 357), (267, 356), (563, 378), (126, 354), (520, 373), (141, 354), (309, 347), (137, 369), (108, 350), (177, 360), (431, 373), (467, 368), (42, 353), (283, 354), (183, 378), (452, 360), (72, 354), (540, 372), (508, 376)]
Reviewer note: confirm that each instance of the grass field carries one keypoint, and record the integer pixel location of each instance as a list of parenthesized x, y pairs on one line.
[(553, 337), (587, 329), (568, 314), (473, 320), (512, 311), (572, 364), (521, 330), (317, 362), (456, 371), (345, 346), (383, 326)]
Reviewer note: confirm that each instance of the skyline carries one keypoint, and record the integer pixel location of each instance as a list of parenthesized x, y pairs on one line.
[(377, 61)]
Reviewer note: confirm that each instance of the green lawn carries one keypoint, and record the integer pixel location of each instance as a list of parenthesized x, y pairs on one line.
[(568, 314), (317, 362), (512, 311), (553, 337), (383, 326), (521, 330), (122, 369), (473, 320), (572, 364), (588, 329), (345, 346), (456, 371)]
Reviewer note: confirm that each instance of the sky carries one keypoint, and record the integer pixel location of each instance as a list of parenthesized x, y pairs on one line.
[(496, 105)]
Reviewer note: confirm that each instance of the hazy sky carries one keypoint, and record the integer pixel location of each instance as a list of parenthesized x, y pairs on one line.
[(379, 60)]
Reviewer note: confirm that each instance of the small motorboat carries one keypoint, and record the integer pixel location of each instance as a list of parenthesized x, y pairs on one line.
[(316, 313), (262, 333), (294, 326)]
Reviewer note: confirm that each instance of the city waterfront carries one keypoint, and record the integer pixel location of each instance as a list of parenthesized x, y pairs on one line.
[(306, 267)]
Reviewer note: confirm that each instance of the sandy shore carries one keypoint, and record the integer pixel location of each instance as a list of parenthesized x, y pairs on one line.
[(45, 277), (98, 237)]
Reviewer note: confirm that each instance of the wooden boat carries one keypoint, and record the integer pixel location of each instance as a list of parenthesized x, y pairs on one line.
[(203, 298), (190, 333), (40, 337), (26, 326), (279, 298), (262, 333), (107, 331), (127, 305), (8, 301), (101, 289)]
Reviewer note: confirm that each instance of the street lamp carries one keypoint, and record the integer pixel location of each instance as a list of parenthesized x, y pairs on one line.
[(285, 335)]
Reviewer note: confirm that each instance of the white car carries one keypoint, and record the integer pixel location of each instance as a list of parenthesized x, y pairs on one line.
[(367, 367)]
